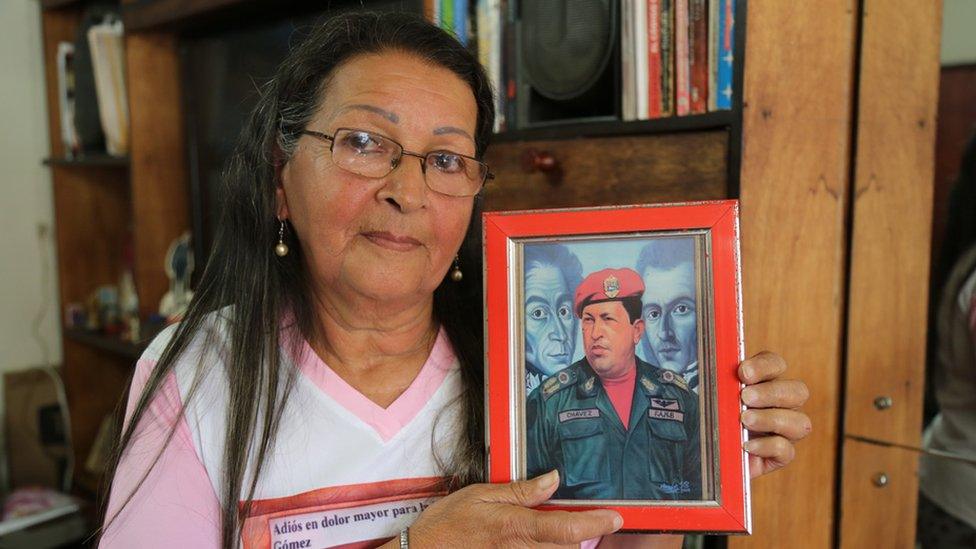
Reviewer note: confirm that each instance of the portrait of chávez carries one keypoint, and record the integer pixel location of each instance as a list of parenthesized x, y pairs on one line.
[(615, 426)]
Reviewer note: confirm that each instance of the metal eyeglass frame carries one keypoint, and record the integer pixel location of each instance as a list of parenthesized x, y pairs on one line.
[(403, 152)]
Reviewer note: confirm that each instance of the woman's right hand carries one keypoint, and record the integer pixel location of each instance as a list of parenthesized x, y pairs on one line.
[(500, 515)]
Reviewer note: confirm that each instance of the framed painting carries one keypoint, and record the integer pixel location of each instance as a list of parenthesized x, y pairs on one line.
[(613, 340)]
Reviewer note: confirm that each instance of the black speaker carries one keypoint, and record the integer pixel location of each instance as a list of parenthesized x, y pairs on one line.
[(567, 61)]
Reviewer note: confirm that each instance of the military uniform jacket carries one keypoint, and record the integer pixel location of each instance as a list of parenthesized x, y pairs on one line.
[(572, 426)]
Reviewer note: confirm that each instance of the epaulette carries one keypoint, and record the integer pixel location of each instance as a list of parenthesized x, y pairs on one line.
[(667, 376), (561, 380)]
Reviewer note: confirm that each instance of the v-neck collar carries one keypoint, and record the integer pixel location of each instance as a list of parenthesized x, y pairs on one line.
[(389, 421)]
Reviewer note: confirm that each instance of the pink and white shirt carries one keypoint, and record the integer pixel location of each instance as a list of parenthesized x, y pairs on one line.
[(344, 472)]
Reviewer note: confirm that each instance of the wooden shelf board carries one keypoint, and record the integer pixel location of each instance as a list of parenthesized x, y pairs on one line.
[(99, 160), (111, 344), (54, 4), (671, 124)]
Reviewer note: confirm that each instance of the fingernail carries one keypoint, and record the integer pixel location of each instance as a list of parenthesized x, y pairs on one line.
[(549, 479), (749, 418), (749, 396), (750, 445), (747, 373), (618, 521)]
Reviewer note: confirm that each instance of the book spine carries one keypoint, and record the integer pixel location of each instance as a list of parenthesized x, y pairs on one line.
[(681, 62), (432, 11), (627, 84), (698, 55), (461, 21), (641, 55), (713, 37), (654, 82), (667, 57), (723, 99), (447, 15)]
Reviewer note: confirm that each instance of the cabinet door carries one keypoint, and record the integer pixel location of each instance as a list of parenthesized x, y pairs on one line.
[(609, 170)]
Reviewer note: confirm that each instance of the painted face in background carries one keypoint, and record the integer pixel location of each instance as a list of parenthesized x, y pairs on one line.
[(550, 325), (671, 333)]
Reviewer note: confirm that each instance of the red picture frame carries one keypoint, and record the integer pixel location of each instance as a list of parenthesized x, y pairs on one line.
[(724, 505)]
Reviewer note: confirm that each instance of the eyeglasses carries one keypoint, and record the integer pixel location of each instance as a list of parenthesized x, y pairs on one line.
[(373, 155)]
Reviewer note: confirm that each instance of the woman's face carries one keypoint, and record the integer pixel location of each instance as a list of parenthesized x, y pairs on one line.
[(392, 238)]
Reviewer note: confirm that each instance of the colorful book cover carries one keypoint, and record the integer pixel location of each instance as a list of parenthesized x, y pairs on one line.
[(654, 90), (713, 33), (667, 57), (698, 55), (681, 61), (726, 41)]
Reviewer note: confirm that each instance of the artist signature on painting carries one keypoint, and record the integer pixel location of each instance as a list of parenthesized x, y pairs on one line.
[(681, 487)]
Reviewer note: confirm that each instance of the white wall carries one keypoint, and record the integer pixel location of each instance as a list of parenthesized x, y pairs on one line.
[(28, 290), (958, 32)]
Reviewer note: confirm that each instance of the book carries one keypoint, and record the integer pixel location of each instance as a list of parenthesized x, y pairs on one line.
[(488, 26), (682, 85), (628, 84), (108, 62), (726, 43), (641, 54), (666, 20), (698, 55), (655, 88), (66, 99), (446, 15), (461, 21), (713, 37)]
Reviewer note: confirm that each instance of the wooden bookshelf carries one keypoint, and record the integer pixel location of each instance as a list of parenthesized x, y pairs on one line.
[(104, 204)]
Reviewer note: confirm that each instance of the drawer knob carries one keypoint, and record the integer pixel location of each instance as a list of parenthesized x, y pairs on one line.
[(534, 160)]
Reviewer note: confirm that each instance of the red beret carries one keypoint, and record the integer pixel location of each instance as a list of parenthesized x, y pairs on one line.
[(608, 285)]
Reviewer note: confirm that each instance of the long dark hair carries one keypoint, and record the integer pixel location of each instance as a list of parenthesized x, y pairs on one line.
[(244, 272)]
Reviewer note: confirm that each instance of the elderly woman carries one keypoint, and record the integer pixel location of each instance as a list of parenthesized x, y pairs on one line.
[(326, 386)]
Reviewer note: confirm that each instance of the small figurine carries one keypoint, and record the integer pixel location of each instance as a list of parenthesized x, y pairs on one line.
[(179, 268)]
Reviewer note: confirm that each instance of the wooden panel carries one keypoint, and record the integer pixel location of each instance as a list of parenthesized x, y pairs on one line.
[(160, 196), (794, 184), (91, 225), (892, 218), (890, 247), (613, 170), (96, 384), (869, 522)]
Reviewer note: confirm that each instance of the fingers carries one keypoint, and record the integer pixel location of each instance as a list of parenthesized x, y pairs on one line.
[(526, 493), (785, 393), (789, 424), (768, 454), (565, 527), (761, 367)]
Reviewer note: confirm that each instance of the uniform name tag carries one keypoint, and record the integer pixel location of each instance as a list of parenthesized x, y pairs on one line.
[(665, 404), (666, 414), (569, 415)]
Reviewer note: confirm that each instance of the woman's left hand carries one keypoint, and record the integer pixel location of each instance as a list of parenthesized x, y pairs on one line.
[(772, 417)]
